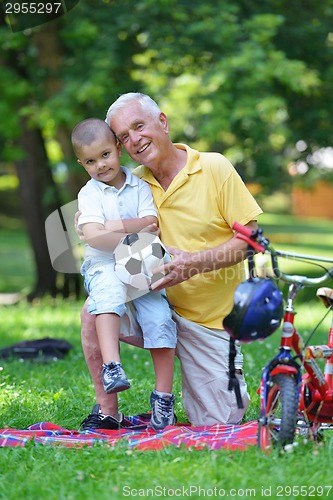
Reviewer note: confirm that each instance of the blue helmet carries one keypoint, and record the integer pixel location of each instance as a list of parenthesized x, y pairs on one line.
[(257, 311)]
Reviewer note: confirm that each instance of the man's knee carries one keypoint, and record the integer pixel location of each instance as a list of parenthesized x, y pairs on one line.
[(213, 403)]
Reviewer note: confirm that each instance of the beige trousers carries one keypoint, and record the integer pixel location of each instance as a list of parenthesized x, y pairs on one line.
[(204, 359)]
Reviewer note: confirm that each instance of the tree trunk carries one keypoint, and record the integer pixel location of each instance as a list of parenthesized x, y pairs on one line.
[(38, 192), (50, 58), (38, 199)]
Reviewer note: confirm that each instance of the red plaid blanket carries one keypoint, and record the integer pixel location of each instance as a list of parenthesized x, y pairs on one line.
[(137, 435)]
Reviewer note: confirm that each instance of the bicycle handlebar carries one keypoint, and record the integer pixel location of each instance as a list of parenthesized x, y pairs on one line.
[(255, 239), (246, 234)]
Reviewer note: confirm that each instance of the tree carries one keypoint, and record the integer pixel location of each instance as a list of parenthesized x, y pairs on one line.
[(240, 78), (50, 95), (39, 195)]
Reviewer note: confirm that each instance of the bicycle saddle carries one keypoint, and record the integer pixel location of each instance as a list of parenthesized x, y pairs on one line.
[(326, 295)]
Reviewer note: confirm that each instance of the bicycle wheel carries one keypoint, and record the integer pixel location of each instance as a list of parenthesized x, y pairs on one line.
[(277, 424)]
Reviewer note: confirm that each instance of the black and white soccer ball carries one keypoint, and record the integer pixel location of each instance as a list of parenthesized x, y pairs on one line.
[(136, 256)]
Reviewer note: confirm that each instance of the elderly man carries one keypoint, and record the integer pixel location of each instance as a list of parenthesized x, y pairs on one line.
[(198, 197)]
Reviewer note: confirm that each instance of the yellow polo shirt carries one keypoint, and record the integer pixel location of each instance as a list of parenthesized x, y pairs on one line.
[(196, 213)]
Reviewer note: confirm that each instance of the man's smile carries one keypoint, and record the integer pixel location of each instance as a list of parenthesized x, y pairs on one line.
[(141, 150)]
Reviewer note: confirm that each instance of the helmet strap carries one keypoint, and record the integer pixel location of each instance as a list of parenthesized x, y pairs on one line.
[(250, 259), (233, 380)]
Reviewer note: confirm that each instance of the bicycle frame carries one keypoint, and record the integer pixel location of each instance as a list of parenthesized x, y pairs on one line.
[(313, 390), (316, 397)]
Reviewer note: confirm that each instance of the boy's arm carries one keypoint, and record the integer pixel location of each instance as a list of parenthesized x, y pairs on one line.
[(98, 237), (106, 237), (131, 225)]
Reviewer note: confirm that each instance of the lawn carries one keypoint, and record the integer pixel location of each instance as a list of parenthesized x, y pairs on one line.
[(16, 261), (62, 392)]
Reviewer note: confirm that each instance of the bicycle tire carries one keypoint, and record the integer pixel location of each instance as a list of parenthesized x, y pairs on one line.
[(277, 425)]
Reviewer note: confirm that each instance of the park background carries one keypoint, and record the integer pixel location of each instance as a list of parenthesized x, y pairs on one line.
[(252, 80)]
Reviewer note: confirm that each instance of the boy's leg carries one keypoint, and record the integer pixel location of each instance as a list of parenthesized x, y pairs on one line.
[(163, 361), (107, 297), (160, 336), (108, 331), (161, 399), (204, 359), (106, 403)]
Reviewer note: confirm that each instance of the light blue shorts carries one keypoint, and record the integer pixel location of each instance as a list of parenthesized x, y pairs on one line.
[(107, 294)]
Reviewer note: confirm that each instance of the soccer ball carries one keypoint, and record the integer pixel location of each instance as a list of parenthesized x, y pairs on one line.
[(136, 256)]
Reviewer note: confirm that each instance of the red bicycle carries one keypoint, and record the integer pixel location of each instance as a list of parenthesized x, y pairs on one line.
[(295, 393)]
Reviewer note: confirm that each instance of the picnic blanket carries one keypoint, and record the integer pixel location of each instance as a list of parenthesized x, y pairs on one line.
[(138, 435)]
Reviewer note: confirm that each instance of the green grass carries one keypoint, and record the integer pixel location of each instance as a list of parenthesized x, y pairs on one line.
[(16, 261), (313, 236), (62, 392)]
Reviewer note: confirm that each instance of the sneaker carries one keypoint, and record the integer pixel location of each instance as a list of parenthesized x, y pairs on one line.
[(114, 378), (162, 411), (96, 420)]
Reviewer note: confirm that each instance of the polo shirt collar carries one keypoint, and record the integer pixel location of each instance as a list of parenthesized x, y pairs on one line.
[(193, 159), (192, 164)]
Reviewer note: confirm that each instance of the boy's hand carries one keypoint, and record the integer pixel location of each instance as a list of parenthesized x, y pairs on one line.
[(151, 228)]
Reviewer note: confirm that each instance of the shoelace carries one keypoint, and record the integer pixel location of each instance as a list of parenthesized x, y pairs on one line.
[(116, 370), (93, 419), (165, 406)]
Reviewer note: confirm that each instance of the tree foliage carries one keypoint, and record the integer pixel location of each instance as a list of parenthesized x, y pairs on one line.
[(245, 78)]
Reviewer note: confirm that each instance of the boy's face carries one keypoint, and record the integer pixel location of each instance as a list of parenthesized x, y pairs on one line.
[(101, 160)]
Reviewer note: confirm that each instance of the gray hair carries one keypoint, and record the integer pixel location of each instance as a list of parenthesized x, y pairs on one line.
[(146, 102)]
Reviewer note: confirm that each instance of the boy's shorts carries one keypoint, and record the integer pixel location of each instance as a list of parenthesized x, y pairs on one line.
[(107, 294)]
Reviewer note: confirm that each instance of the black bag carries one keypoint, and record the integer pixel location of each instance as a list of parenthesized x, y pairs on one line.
[(45, 350)]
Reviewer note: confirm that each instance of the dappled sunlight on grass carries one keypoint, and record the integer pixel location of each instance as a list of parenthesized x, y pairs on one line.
[(62, 392)]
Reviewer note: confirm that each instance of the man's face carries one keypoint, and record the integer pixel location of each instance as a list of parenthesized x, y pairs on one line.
[(144, 137)]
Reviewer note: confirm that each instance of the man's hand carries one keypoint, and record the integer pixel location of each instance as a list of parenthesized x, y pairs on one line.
[(181, 268), (79, 232)]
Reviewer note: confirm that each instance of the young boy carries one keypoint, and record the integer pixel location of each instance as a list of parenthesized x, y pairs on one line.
[(113, 193)]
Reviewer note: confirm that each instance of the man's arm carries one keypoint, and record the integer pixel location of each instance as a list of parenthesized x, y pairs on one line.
[(184, 265)]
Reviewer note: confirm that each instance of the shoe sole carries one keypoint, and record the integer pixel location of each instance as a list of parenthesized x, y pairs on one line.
[(156, 429), (116, 388)]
